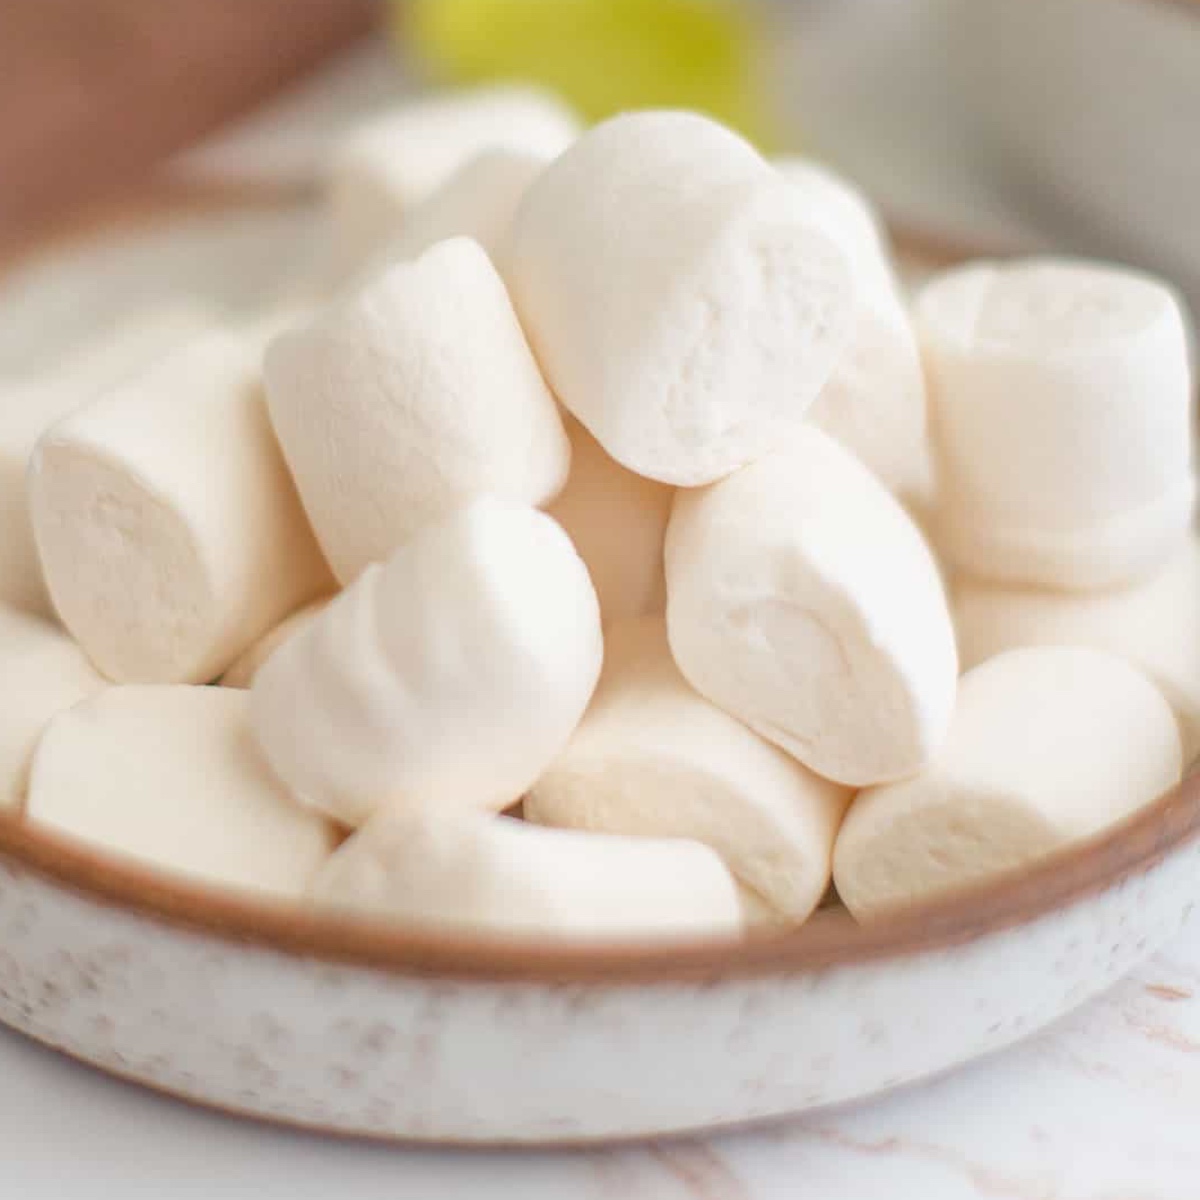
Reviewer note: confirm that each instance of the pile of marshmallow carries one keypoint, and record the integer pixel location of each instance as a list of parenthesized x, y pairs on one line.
[(599, 555)]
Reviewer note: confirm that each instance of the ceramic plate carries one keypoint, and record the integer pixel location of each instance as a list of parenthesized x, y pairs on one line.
[(372, 1030)]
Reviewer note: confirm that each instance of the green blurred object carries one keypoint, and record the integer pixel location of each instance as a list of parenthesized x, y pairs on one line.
[(603, 56)]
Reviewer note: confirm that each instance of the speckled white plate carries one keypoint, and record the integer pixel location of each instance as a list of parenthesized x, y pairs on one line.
[(372, 1030)]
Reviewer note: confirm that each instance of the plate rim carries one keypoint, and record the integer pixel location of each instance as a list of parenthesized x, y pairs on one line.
[(832, 939)]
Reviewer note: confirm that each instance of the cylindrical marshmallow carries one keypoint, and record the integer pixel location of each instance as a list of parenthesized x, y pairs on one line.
[(874, 402), (449, 677), (802, 599), (618, 521), (170, 776), (1062, 414), (476, 873), (680, 303), (243, 672), (406, 400), (1155, 625), (478, 201), (1048, 745), (168, 526), (846, 212), (653, 758), (289, 312), (33, 405), (43, 673), (397, 159)]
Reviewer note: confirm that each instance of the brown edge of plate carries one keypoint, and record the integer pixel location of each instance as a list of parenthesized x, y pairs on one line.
[(829, 939)]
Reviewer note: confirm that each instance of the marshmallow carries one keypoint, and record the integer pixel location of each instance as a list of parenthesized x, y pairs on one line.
[(44, 673), (450, 677), (405, 401), (802, 599), (651, 757), (841, 208), (171, 776), (874, 402), (283, 315), (618, 521), (1155, 625), (168, 527), (1048, 745), (243, 672), (475, 873), (32, 405), (478, 201), (1062, 408), (395, 160), (680, 303)]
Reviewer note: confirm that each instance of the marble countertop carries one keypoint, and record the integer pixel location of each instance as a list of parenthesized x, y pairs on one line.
[(1102, 1107)]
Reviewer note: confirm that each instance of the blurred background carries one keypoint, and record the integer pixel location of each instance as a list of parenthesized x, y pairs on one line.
[(991, 123)]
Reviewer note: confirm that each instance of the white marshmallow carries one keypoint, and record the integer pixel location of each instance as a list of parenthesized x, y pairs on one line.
[(837, 205), (285, 314), (44, 673), (478, 201), (1049, 745), (1062, 410), (450, 677), (33, 405), (678, 300), (618, 521), (651, 757), (405, 401), (168, 527), (1155, 625), (170, 776), (243, 672), (874, 402), (802, 599), (474, 873), (395, 160)]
